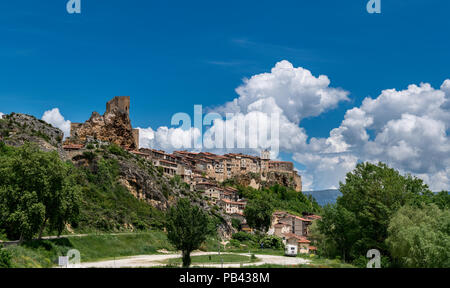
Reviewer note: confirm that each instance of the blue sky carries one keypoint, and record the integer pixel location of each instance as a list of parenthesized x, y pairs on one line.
[(170, 55)]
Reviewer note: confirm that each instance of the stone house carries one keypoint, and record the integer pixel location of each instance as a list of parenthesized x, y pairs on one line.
[(300, 241)]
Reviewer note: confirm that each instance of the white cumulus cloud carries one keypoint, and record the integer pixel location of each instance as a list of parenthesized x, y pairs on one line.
[(295, 91), (168, 139), (55, 118), (410, 133)]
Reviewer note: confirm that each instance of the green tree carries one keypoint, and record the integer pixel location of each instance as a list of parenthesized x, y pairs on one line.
[(442, 200), (187, 228), (420, 237), (340, 229), (37, 190), (371, 195), (258, 214)]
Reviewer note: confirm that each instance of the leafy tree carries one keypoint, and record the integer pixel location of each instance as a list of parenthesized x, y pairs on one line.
[(282, 198), (36, 191), (371, 195), (442, 200), (340, 228), (258, 214), (187, 228), (420, 237)]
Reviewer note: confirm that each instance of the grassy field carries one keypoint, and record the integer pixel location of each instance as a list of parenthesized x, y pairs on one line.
[(44, 253), (214, 259)]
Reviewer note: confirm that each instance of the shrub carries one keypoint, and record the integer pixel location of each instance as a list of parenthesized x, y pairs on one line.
[(89, 155), (5, 259), (272, 241), (244, 236), (116, 150), (236, 223)]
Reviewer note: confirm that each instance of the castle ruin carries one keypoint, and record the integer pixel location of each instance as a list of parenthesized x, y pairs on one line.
[(114, 126)]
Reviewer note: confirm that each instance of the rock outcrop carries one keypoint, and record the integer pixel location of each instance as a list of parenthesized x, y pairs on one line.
[(113, 127), (17, 129), (269, 179)]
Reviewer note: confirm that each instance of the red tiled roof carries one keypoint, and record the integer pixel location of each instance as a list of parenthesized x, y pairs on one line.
[(206, 183), (233, 202), (279, 162), (300, 239), (140, 153), (73, 146), (314, 217)]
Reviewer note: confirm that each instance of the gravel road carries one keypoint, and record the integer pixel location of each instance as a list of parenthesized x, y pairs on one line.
[(155, 260)]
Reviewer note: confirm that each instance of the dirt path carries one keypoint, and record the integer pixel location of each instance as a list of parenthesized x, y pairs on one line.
[(155, 260)]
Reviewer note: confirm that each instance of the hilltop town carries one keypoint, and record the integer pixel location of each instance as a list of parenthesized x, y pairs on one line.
[(203, 171)]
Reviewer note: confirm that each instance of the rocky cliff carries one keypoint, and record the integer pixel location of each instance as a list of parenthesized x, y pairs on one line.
[(257, 181), (114, 127), (16, 129)]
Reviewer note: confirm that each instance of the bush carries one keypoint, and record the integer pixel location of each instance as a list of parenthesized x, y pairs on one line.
[(89, 155), (236, 223), (116, 150), (243, 236), (272, 241), (5, 259), (235, 243)]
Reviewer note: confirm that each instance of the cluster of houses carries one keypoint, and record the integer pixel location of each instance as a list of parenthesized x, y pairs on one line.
[(203, 171), (293, 229), (192, 166), (226, 198)]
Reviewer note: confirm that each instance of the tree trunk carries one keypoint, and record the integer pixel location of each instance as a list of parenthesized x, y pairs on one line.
[(186, 258)]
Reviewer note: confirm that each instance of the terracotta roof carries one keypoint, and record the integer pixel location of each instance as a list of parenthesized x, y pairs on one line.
[(300, 239), (167, 162), (233, 202), (313, 217), (140, 153), (206, 183), (73, 146)]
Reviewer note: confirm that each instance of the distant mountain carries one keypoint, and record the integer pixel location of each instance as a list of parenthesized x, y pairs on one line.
[(324, 197)]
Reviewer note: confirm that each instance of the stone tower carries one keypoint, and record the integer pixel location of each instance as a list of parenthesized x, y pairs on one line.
[(121, 103), (114, 126), (265, 155)]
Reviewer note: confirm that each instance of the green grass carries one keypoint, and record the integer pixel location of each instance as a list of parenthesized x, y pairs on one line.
[(44, 253), (214, 259), (317, 262)]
